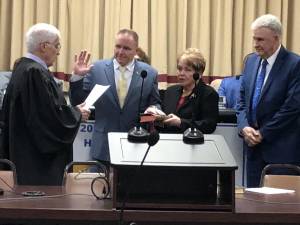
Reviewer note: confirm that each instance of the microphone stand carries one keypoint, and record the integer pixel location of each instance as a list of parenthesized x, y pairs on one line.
[(152, 139), (193, 135), (138, 134)]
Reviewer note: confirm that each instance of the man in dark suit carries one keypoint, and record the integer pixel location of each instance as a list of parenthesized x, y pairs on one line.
[(269, 109), (116, 111)]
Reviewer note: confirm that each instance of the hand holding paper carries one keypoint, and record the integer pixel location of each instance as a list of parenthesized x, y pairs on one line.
[(94, 95), (85, 113)]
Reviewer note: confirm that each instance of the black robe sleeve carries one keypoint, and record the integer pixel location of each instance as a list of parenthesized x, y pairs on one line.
[(52, 123)]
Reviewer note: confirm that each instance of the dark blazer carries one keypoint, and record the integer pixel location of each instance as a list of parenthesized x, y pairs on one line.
[(278, 110), (109, 117), (206, 108)]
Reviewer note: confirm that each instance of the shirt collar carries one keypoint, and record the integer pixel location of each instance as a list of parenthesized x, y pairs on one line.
[(272, 58), (129, 66), (36, 59)]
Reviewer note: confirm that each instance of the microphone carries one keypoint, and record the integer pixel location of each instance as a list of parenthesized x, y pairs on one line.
[(193, 135), (152, 139), (144, 74), (138, 134), (196, 77)]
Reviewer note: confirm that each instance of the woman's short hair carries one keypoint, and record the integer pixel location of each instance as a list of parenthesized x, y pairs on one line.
[(194, 58), (142, 56), (39, 33), (269, 21)]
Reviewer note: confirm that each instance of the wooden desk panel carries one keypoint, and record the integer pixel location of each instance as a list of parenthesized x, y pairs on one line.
[(82, 209)]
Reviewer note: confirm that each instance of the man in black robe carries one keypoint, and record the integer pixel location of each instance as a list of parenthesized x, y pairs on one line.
[(38, 126)]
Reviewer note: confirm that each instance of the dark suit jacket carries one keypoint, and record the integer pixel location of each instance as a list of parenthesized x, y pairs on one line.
[(206, 108), (278, 110), (109, 117)]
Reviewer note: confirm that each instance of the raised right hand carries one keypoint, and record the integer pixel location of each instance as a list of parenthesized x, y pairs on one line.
[(81, 66)]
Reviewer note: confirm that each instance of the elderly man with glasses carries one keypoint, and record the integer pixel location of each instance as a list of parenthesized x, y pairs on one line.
[(38, 125)]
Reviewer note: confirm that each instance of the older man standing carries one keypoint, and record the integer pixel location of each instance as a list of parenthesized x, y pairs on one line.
[(269, 109), (39, 127)]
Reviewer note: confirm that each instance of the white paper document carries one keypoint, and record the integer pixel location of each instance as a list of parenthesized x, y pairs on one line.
[(269, 190), (94, 95)]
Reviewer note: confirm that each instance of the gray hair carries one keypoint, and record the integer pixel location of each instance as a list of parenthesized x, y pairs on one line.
[(268, 21), (39, 33)]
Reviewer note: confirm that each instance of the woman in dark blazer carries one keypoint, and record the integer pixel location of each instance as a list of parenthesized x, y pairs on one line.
[(178, 99)]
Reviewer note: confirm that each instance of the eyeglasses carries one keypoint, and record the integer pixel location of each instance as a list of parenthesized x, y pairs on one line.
[(57, 46)]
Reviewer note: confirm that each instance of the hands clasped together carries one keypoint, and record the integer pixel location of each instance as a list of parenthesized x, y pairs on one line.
[(251, 136)]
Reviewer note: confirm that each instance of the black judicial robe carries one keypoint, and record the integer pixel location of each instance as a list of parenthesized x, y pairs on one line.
[(39, 126)]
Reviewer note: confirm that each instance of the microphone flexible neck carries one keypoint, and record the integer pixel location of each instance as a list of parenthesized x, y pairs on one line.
[(152, 140), (140, 102)]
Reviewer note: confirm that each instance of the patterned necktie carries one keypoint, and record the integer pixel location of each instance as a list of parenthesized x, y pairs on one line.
[(258, 87), (122, 87)]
